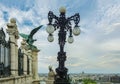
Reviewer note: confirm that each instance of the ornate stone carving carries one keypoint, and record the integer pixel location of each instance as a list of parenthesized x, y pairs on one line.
[(12, 28)]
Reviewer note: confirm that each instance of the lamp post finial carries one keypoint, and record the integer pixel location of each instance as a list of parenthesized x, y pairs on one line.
[(62, 9)]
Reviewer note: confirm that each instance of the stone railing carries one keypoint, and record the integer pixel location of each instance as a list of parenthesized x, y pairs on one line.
[(26, 79)]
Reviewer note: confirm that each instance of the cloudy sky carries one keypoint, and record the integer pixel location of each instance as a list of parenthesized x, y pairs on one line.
[(95, 50)]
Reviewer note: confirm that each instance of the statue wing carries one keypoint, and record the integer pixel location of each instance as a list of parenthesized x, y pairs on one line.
[(24, 36), (34, 31)]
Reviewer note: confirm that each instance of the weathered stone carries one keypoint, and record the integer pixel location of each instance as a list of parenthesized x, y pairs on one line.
[(35, 64), (31, 55), (51, 76), (13, 35)]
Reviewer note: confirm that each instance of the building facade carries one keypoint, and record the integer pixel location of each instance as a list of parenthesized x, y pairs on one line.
[(17, 65)]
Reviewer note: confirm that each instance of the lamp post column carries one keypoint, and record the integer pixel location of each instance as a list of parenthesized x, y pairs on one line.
[(63, 24)]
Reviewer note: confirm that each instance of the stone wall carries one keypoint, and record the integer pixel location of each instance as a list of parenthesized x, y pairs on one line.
[(17, 80)]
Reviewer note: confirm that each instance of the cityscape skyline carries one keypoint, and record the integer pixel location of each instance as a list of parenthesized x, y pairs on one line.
[(95, 50)]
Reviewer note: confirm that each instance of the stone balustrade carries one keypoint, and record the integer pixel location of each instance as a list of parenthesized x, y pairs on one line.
[(25, 79)]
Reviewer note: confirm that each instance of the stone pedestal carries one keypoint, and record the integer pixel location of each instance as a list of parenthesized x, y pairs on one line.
[(51, 76), (13, 36), (50, 82)]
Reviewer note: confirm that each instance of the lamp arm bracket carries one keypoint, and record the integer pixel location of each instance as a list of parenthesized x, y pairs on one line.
[(75, 18), (51, 16)]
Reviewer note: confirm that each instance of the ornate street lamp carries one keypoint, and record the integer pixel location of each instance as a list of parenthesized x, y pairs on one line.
[(63, 24)]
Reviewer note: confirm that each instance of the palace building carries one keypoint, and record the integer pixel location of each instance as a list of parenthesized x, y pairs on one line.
[(17, 65)]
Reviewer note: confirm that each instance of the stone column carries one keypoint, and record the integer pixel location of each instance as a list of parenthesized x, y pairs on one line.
[(24, 51), (35, 64), (16, 48), (30, 61), (13, 36), (25, 64), (30, 68), (16, 54)]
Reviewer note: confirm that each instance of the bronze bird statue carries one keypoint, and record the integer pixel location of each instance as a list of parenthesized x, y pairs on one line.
[(29, 38)]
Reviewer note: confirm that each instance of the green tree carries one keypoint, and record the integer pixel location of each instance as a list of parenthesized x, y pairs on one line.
[(89, 81)]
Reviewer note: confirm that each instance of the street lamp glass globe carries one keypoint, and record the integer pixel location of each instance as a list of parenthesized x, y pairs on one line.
[(50, 38), (76, 31), (70, 39), (50, 29)]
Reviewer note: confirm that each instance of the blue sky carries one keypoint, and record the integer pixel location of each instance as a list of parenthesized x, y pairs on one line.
[(95, 50)]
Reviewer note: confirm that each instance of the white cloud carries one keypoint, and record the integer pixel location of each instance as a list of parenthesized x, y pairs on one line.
[(110, 61), (44, 22), (100, 35), (107, 15), (112, 44)]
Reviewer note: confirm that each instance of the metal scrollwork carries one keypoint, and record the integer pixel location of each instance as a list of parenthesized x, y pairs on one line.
[(63, 24)]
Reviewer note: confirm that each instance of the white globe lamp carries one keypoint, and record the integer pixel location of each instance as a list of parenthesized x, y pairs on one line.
[(70, 39), (50, 29), (76, 31), (50, 38)]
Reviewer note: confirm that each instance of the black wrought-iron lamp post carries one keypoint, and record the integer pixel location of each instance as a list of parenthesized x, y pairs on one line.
[(63, 24)]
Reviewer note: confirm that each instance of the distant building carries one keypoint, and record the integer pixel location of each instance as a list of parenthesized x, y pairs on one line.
[(115, 79), (104, 79)]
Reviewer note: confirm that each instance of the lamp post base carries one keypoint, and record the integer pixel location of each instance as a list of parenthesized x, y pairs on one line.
[(62, 80)]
